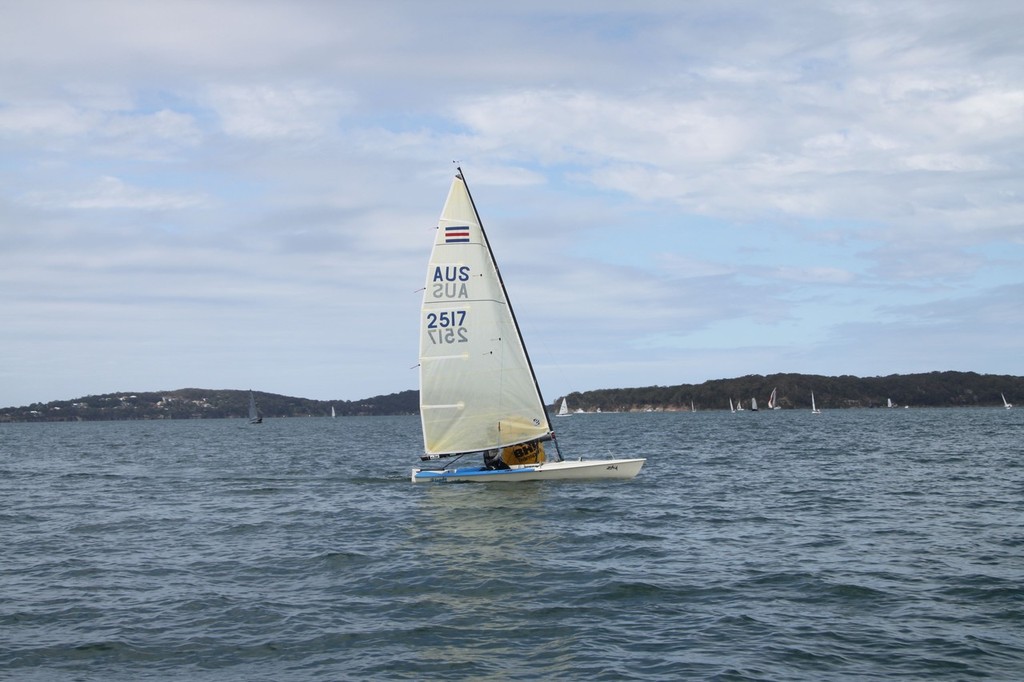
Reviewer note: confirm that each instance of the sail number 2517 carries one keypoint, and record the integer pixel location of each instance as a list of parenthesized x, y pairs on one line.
[(447, 326)]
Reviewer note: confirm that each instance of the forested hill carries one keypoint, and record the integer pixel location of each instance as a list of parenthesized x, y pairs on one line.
[(199, 403), (934, 389)]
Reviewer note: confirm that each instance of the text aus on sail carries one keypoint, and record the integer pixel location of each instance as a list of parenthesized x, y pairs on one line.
[(448, 283)]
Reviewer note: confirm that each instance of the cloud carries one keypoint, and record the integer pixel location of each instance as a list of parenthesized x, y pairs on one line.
[(265, 112), (816, 275), (61, 127), (45, 119), (113, 193)]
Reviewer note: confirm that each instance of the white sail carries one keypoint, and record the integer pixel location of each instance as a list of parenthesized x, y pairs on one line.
[(563, 410), (814, 408), (477, 388), (1005, 404), (731, 408)]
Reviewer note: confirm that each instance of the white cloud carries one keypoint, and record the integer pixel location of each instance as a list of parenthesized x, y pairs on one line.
[(265, 112), (69, 126), (44, 118), (816, 275), (577, 126), (113, 193)]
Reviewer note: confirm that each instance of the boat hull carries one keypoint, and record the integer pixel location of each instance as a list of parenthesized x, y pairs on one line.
[(578, 470)]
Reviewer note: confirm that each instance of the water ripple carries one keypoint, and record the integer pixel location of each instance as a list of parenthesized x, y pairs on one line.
[(860, 544)]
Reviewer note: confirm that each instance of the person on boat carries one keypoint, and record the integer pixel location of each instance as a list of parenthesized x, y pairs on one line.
[(531, 452), (493, 460)]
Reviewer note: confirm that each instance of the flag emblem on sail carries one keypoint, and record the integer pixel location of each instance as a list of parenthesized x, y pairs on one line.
[(456, 234)]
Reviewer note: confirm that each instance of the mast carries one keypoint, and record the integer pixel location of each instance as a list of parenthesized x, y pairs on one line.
[(512, 312)]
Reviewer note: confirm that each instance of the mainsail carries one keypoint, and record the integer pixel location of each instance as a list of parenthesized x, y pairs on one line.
[(477, 387), (254, 415)]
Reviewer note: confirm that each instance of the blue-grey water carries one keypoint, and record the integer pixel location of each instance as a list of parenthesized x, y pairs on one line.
[(856, 544)]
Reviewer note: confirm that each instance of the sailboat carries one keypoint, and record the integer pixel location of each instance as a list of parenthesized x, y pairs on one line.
[(254, 415), (732, 408), (889, 403), (1005, 404), (739, 405), (814, 409), (563, 410), (753, 404), (333, 413), (772, 400), (478, 390)]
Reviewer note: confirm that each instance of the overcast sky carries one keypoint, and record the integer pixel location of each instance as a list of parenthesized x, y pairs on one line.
[(243, 194)]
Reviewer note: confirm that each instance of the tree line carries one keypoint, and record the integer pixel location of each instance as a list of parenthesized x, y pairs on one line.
[(933, 389), (199, 403)]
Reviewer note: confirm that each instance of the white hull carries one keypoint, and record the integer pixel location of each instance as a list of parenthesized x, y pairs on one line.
[(577, 470)]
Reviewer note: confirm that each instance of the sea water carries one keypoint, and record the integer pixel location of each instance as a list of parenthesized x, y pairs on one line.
[(855, 544)]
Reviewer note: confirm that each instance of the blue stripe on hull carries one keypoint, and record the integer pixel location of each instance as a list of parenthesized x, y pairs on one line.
[(451, 475)]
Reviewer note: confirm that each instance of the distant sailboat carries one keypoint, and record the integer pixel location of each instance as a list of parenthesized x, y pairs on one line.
[(1005, 404), (739, 405), (333, 414), (692, 408), (732, 408), (753, 404), (814, 409), (889, 403), (254, 415), (563, 410), (773, 400)]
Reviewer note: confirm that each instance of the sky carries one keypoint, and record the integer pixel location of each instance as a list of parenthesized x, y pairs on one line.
[(236, 194)]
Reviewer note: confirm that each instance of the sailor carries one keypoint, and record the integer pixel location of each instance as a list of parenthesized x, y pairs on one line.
[(493, 460)]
